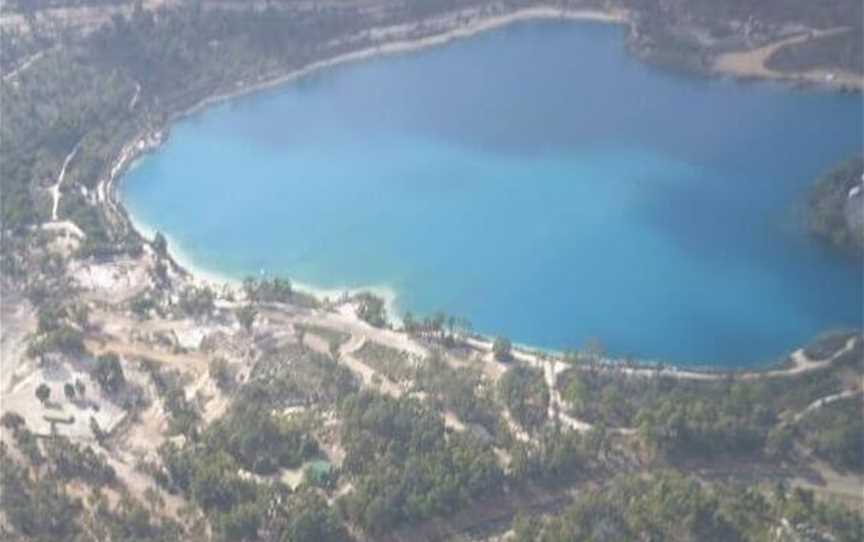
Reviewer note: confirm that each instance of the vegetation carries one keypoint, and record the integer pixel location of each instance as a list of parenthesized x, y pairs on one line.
[(298, 376), (58, 330), (109, 373), (197, 302), (371, 309), (841, 51), (183, 416), (831, 214), (246, 316), (462, 391), (669, 506), (443, 328), (43, 393), (523, 390), (835, 432), (555, 459), (330, 335), (220, 372), (268, 291), (680, 418), (249, 437), (160, 244), (70, 461), (98, 91), (502, 349), (403, 468), (395, 365), (40, 508)]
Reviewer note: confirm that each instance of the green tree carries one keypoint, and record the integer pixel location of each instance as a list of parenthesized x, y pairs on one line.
[(219, 372), (371, 309), (43, 393), (524, 391), (109, 372), (160, 244), (80, 387), (197, 302), (300, 332), (246, 316), (502, 349), (12, 421)]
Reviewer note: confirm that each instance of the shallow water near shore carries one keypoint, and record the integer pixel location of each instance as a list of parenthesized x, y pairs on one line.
[(536, 179)]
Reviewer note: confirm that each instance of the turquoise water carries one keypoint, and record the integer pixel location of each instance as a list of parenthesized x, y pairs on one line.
[(537, 180)]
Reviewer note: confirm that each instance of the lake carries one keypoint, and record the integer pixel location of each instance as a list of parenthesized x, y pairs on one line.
[(536, 179)]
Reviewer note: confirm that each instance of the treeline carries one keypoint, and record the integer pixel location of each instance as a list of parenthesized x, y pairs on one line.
[(524, 392), (673, 507), (248, 438), (39, 507), (832, 213), (679, 418), (463, 391), (404, 468), (98, 90), (835, 432)]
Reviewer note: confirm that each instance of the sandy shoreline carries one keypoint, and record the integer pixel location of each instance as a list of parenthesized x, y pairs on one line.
[(200, 276), (752, 63)]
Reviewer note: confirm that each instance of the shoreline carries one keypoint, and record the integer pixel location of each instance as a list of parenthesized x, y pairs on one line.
[(200, 276), (753, 64), (150, 139), (454, 28)]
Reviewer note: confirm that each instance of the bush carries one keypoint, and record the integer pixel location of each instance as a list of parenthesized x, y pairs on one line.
[(371, 310), (524, 391), (502, 349), (109, 373)]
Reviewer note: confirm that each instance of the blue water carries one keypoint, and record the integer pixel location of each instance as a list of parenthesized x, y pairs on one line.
[(538, 180)]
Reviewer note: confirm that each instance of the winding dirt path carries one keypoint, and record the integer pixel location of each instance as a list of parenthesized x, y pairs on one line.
[(23, 66), (190, 362), (824, 401)]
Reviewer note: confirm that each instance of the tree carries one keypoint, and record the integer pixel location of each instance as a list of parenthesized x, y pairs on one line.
[(80, 387), (300, 332), (250, 289), (80, 314), (526, 528), (197, 302), (524, 391), (160, 244), (371, 309), (594, 349), (219, 372), (246, 316), (409, 324), (69, 390), (97, 431), (12, 421), (43, 393), (502, 349), (109, 373), (154, 499)]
